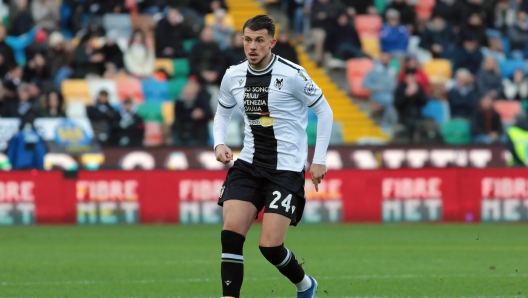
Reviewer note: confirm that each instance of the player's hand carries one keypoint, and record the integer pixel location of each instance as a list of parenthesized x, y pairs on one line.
[(223, 154), (317, 173)]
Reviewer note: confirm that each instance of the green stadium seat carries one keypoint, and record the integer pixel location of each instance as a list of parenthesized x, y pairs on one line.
[(181, 68), (188, 44), (176, 86), (380, 5), (396, 65), (456, 132), (150, 112), (311, 131)]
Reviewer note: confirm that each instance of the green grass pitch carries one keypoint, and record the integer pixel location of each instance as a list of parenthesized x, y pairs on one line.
[(347, 260)]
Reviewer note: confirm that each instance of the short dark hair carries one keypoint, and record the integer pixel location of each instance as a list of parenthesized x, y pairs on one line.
[(260, 22)]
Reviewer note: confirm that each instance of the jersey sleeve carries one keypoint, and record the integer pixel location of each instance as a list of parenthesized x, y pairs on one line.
[(225, 97), (306, 90)]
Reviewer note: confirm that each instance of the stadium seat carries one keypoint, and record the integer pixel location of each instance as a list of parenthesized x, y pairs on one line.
[(181, 68), (166, 64), (456, 132), (76, 90), (130, 88), (155, 91), (119, 23), (438, 70), (508, 110), (424, 8), (167, 112), (437, 110), (368, 25), (371, 46), (153, 134), (336, 138), (76, 110), (176, 86), (357, 69), (506, 45), (508, 67), (311, 131), (97, 85), (188, 44), (396, 65), (150, 111), (380, 5), (413, 48)]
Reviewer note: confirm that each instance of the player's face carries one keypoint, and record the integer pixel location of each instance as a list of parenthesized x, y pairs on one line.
[(257, 46)]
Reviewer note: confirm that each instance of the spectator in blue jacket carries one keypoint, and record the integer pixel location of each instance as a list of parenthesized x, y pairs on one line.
[(381, 82), (26, 149), (469, 56), (394, 36), (463, 97)]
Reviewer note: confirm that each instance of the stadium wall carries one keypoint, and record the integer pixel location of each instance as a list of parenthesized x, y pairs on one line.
[(189, 197)]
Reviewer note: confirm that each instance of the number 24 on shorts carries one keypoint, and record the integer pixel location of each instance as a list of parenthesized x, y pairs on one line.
[(285, 202)]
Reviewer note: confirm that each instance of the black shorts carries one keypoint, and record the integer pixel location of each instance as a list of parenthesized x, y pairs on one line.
[(276, 191)]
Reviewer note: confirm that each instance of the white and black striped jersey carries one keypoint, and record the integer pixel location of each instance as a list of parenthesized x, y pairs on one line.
[(274, 103)]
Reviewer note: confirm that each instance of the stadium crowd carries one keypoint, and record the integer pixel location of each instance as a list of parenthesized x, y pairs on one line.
[(45, 43)]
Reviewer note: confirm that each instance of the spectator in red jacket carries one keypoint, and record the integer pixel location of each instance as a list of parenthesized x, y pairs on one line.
[(411, 65)]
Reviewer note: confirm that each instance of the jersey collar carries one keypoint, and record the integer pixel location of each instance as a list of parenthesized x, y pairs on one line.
[(265, 70)]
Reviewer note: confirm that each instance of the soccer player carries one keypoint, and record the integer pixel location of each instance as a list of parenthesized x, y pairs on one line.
[(273, 95)]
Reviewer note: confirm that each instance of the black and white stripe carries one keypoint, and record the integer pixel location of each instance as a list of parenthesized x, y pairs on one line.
[(232, 258), (286, 260)]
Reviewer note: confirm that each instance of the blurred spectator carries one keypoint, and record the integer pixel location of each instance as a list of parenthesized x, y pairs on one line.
[(504, 16), (18, 43), (449, 10), (26, 149), (411, 65), (463, 96), (170, 33), (130, 129), (518, 35), (87, 59), (52, 105), (204, 7), (149, 6), (101, 7), (342, 39), (235, 53), (193, 113), (3, 101), (227, 19), (323, 16), (489, 80), (475, 29), (495, 49), (221, 32), (59, 58), (381, 82), (111, 51), (46, 14), (13, 77), (439, 38), (23, 107), (102, 116), (139, 57), (468, 56), (355, 7), (284, 49), (20, 19), (204, 60), (409, 100), (36, 70), (407, 13), (486, 125), (394, 36), (516, 88), (295, 9), (8, 56)]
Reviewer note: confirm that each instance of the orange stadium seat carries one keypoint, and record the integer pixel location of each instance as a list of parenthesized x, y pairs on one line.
[(357, 69), (76, 90), (507, 110), (438, 70), (368, 25), (130, 88), (424, 8)]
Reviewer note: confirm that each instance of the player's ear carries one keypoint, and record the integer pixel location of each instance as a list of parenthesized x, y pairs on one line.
[(273, 43)]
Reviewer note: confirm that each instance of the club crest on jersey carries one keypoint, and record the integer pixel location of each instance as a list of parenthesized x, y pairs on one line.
[(309, 88), (279, 83)]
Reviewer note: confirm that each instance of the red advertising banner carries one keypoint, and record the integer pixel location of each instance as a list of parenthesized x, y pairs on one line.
[(189, 197)]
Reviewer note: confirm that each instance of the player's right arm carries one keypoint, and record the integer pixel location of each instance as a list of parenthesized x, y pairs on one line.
[(224, 110)]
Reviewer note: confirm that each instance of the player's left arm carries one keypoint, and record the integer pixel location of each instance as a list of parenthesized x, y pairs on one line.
[(308, 92)]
